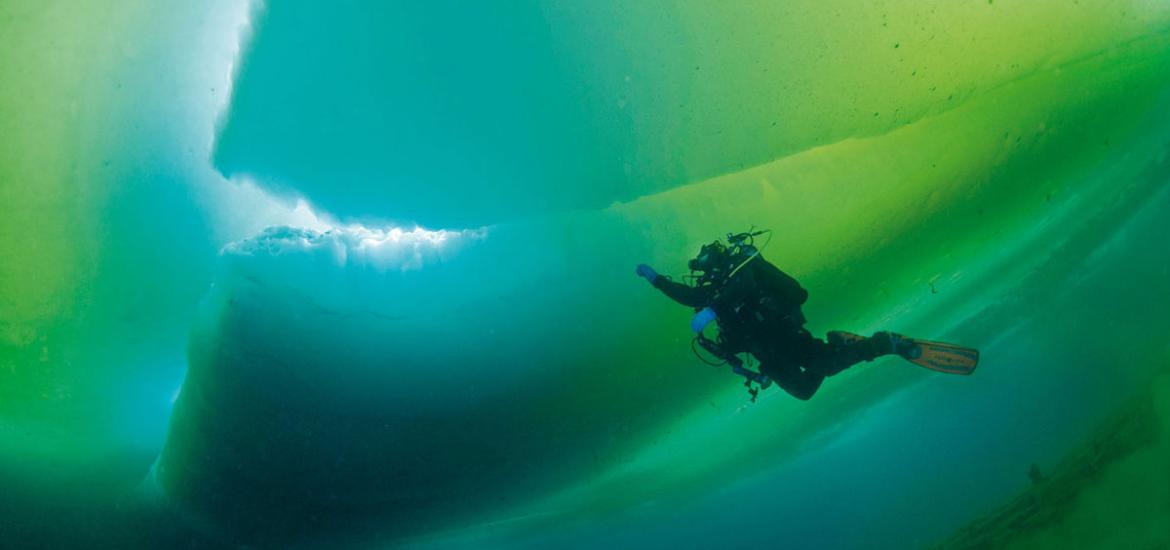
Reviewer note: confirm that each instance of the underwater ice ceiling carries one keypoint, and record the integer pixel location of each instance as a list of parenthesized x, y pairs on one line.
[(452, 115)]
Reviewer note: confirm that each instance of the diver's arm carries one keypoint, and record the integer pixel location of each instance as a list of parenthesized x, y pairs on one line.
[(684, 294)]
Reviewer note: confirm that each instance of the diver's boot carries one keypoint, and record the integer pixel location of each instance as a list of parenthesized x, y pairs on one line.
[(881, 343), (889, 343)]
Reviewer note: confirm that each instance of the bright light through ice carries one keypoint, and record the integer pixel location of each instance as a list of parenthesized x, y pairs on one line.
[(360, 236), (352, 244)]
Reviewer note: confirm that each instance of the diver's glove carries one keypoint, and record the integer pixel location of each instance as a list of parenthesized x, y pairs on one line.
[(646, 272), (702, 319)]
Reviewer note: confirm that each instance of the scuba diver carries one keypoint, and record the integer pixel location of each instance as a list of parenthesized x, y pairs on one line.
[(757, 308)]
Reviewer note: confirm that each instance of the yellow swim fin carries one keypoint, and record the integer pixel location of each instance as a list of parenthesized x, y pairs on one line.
[(936, 356)]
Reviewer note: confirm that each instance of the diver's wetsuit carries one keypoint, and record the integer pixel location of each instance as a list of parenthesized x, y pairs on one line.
[(758, 311)]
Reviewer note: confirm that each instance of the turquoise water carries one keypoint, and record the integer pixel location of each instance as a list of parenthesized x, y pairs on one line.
[(362, 275)]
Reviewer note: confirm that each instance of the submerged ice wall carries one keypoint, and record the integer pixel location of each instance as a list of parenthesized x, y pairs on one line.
[(389, 383), (401, 375)]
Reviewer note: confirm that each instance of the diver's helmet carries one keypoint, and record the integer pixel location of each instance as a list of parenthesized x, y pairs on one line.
[(711, 257), (716, 261)]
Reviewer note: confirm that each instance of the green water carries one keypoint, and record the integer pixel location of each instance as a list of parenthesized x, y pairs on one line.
[(442, 343)]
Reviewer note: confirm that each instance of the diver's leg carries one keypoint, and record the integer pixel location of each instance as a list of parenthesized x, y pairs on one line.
[(881, 343), (832, 357), (843, 350), (799, 383)]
